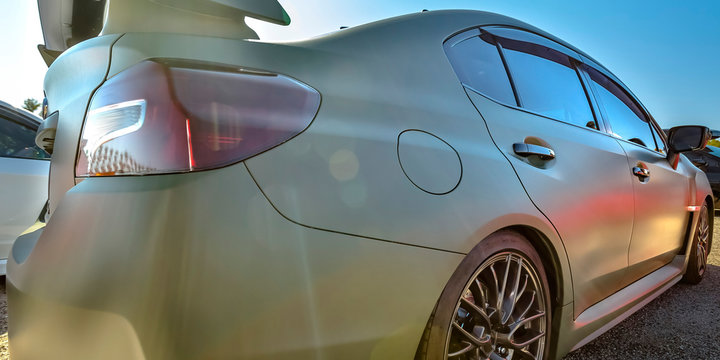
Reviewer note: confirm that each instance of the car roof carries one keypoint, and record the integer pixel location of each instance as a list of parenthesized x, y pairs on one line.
[(422, 34), (443, 23)]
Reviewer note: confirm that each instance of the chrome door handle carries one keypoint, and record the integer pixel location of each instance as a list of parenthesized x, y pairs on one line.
[(641, 172), (526, 150)]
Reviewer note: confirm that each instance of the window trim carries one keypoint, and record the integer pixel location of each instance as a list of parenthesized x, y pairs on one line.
[(594, 103), (513, 107), (511, 77), (549, 43), (606, 120), (661, 134), (574, 65), (577, 60)]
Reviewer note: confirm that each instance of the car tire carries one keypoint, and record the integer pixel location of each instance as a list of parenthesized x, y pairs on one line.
[(700, 248), (469, 322)]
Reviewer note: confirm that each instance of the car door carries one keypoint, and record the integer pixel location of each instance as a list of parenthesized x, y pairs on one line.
[(581, 182), (23, 178), (661, 192)]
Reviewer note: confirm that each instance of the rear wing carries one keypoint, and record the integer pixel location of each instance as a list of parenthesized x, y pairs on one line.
[(68, 22)]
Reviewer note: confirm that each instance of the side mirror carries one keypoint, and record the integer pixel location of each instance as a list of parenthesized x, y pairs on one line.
[(688, 138)]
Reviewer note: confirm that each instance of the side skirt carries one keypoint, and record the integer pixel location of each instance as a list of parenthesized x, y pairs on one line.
[(602, 316)]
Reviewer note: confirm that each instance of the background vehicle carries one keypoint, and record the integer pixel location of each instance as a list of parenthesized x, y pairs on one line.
[(23, 176), (708, 160), (318, 199)]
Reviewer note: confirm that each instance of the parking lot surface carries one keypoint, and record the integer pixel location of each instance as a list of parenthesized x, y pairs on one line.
[(682, 323)]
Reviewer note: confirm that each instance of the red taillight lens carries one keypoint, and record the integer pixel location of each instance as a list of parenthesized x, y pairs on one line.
[(165, 116)]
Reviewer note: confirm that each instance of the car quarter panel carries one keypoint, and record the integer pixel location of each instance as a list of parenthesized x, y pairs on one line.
[(294, 292), (69, 84)]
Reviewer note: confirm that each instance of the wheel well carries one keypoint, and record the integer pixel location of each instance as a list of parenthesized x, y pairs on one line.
[(553, 269), (710, 205), (711, 212), (549, 257)]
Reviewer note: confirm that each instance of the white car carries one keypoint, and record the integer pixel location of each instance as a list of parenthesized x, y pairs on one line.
[(23, 176)]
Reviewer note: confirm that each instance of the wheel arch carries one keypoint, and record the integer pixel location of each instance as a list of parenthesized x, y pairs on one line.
[(558, 274), (549, 256), (711, 214), (710, 205), (545, 240)]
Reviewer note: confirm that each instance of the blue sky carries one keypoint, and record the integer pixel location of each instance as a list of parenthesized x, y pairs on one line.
[(666, 51)]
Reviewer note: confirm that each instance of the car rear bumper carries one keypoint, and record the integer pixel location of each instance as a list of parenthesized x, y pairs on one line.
[(200, 265)]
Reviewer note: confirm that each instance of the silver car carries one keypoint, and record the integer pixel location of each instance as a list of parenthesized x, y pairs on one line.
[(440, 185), (23, 176)]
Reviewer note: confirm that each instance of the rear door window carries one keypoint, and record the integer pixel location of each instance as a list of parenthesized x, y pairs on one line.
[(626, 117), (548, 83), (477, 62)]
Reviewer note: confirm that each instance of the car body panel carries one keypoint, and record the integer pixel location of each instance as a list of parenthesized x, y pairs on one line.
[(595, 222), (70, 82), (294, 254), (602, 316), (23, 194), (700, 185), (299, 173), (296, 292), (661, 213), (23, 174)]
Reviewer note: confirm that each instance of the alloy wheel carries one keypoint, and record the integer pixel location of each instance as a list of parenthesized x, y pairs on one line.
[(501, 314)]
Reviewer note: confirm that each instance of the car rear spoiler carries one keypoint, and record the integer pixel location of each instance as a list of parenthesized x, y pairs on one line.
[(68, 22)]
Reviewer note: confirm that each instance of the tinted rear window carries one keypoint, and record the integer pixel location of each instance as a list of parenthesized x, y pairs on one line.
[(478, 64), (548, 84)]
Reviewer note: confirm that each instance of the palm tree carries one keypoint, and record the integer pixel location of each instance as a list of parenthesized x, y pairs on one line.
[(31, 105)]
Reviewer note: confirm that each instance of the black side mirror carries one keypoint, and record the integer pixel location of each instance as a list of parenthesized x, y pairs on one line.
[(688, 138)]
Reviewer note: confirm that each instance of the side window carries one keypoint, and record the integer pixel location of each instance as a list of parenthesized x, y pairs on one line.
[(548, 83), (626, 118), (18, 141), (658, 140), (478, 64)]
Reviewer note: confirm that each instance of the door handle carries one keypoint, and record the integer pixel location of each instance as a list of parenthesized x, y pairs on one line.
[(526, 150), (641, 172)]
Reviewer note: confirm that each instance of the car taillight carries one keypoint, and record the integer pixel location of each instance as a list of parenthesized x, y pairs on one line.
[(168, 116)]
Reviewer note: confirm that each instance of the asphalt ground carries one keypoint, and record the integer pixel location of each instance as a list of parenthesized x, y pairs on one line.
[(682, 323)]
